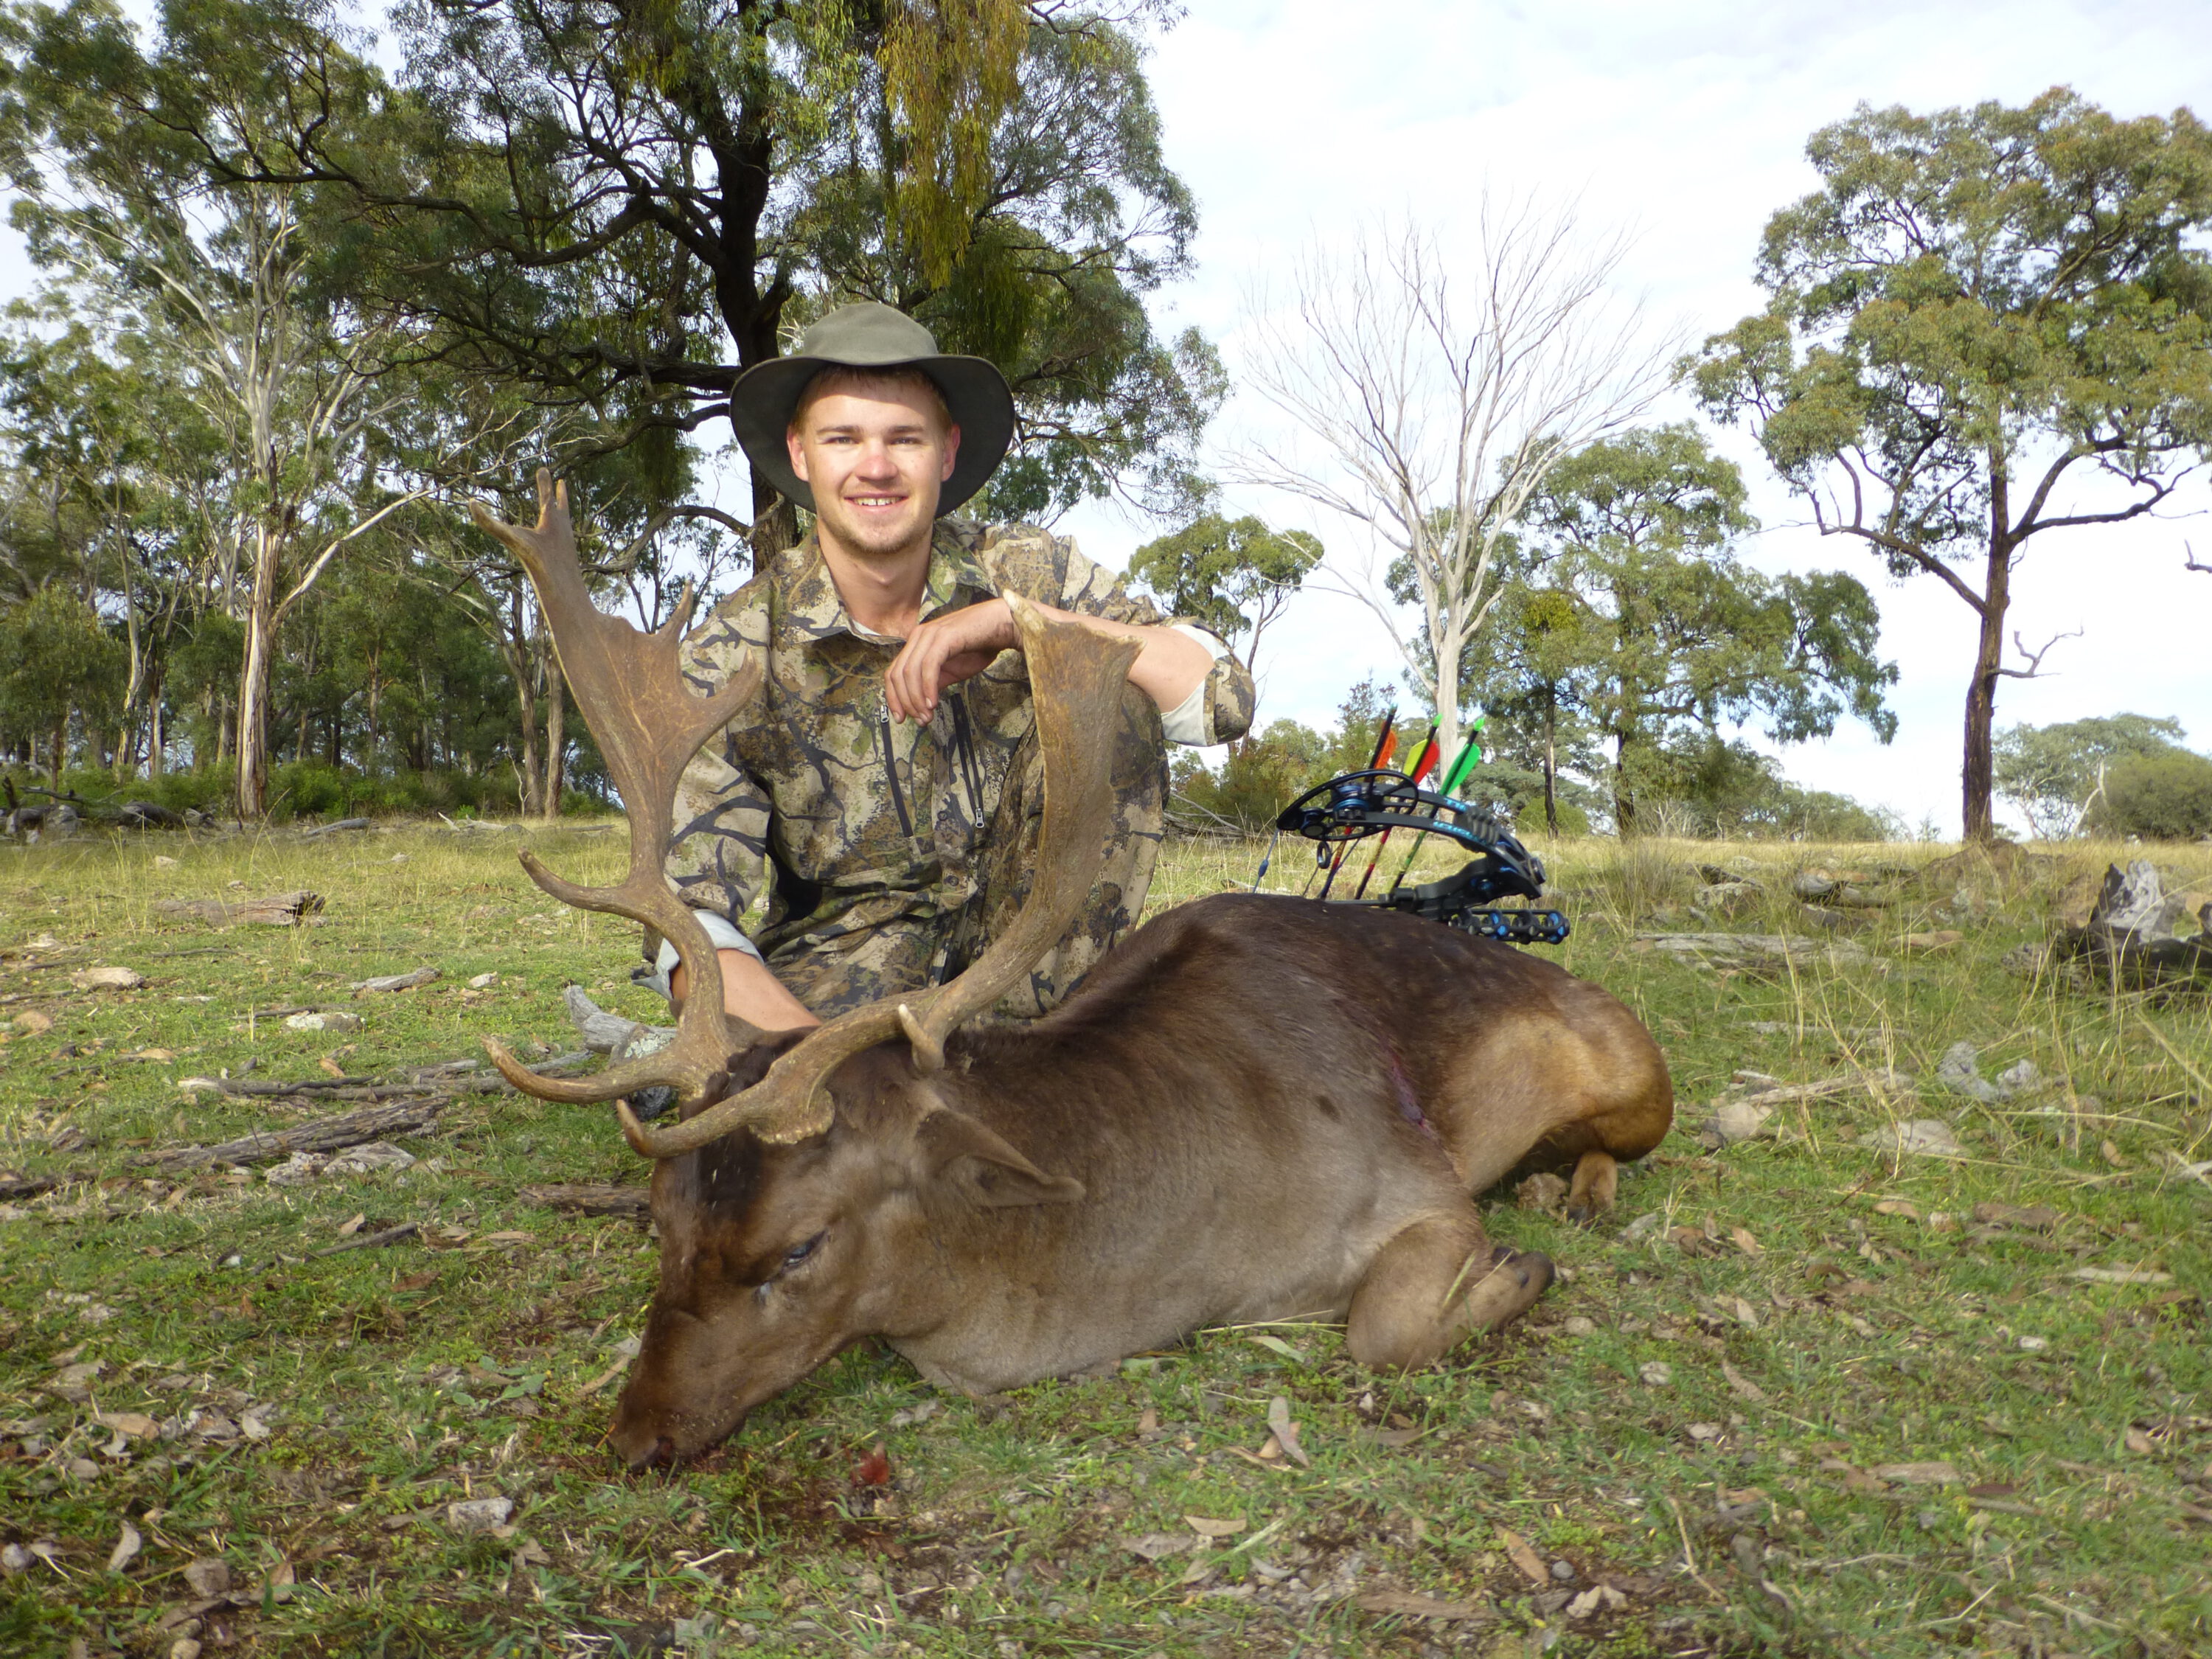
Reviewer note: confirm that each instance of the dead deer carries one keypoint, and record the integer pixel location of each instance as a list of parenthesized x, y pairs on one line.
[(1255, 1107)]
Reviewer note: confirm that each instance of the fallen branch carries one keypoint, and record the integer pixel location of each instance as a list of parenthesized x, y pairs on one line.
[(588, 1199), (31, 1186), (328, 1134), (371, 1241), (334, 828), (277, 910), (1751, 949)]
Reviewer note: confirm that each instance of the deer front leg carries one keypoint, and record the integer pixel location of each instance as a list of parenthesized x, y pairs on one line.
[(1434, 1285)]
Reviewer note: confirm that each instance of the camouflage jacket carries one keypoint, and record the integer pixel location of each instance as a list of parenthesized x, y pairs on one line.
[(862, 822)]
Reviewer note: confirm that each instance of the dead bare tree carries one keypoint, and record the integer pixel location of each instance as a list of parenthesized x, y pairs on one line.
[(1434, 425)]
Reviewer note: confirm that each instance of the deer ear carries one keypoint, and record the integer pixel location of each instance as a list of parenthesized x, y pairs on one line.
[(960, 1156)]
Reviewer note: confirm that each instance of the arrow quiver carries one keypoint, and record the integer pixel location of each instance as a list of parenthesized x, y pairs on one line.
[(1372, 802)]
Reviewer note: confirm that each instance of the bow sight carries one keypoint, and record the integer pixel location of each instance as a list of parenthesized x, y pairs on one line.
[(1377, 800)]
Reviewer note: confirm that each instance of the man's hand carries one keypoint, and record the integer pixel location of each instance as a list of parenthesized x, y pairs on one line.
[(944, 651)]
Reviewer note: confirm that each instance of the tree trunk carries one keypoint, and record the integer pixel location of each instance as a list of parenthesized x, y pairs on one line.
[(1551, 765), (1623, 799), (516, 649), (253, 798), (1978, 775), (556, 735)]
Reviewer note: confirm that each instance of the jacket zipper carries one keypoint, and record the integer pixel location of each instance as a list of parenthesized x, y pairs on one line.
[(891, 770)]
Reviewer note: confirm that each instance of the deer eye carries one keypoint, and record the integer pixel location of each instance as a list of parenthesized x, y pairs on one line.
[(799, 1253)]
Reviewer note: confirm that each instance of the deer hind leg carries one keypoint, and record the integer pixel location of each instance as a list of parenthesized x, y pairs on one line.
[(1597, 1179), (1435, 1284)]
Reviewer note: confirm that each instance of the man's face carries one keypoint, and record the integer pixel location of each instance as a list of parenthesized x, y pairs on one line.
[(875, 455)]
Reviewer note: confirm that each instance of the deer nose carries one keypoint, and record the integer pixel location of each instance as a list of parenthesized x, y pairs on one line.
[(658, 1455)]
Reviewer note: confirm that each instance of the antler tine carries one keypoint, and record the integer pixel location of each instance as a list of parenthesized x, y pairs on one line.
[(1076, 679), (631, 690)]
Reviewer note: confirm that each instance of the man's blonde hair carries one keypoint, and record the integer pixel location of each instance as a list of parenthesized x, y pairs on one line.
[(845, 377)]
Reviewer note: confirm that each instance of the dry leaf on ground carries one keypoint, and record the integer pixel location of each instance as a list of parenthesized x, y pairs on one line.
[(1286, 1431), (1406, 1604), (1158, 1546), (126, 1548), (1741, 1385), (1530, 1565), (1207, 1526)]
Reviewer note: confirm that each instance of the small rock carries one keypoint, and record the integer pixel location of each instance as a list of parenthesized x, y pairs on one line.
[(398, 981), (2034, 1344), (1930, 943), (163, 861), (208, 1576), (484, 982), (1733, 1121), (14, 1559), (1812, 884), (479, 1514), (1640, 1229), (1576, 1325), (1542, 1192), (376, 1155), (1926, 1136), (297, 1168), (1656, 1374), (329, 1021), (107, 979), (32, 1023), (1960, 1071), (1705, 1431), (2017, 1079), (185, 1647), (1564, 1572), (1936, 1473)]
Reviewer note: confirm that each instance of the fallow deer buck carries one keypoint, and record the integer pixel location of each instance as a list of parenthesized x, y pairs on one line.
[(1255, 1107)]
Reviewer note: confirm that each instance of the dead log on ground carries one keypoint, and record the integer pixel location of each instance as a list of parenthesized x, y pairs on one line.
[(590, 1200), (2130, 936), (277, 910), (342, 825), (328, 1134)]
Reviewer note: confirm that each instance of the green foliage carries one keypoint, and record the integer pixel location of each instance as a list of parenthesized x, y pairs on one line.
[(2050, 772), (1257, 779), (1631, 622), (2162, 796), (1231, 575), (1704, 786), (1974, 303), (57, 661)]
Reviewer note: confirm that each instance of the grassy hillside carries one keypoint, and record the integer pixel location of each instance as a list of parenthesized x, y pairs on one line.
[(1795, 1395)]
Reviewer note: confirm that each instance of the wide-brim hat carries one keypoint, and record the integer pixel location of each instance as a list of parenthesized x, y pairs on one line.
[(871, 336)]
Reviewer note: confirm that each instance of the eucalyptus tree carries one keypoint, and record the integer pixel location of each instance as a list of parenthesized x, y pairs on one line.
[(1232, 575), (128, 153), (1427, 399), (623, 207), (1640, 614), (1976, 308)]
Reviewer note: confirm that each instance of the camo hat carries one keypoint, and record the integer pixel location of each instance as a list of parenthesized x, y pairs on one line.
[(872, 336)]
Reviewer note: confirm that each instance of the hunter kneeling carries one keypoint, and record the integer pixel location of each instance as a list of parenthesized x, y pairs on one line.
[(888, 772)]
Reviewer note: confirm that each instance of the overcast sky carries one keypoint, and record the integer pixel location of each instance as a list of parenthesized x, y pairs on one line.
[(1685, 122)]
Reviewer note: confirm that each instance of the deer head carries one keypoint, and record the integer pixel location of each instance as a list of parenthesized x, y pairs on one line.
[(747, 1176)]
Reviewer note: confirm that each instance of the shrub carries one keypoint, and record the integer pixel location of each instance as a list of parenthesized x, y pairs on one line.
[(2165, 796)]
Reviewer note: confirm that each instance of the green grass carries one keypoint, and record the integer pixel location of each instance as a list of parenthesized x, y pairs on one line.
[(361, 1393)]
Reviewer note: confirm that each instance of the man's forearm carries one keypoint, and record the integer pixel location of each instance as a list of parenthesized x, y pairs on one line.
[(751, 993)]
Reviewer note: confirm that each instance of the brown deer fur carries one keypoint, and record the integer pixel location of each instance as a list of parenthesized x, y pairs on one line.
[(1256, 1108)]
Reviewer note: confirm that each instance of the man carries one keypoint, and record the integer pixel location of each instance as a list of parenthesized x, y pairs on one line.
[(887, 773)]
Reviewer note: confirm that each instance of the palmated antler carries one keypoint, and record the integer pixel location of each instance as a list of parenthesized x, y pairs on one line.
[(648, 724), (1076, 681)]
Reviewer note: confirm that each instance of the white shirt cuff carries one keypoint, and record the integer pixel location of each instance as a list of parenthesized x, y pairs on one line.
[(1186, 722), (720, 931)]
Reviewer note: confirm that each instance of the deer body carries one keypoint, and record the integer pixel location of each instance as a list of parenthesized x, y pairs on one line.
[(1256, 1108)]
